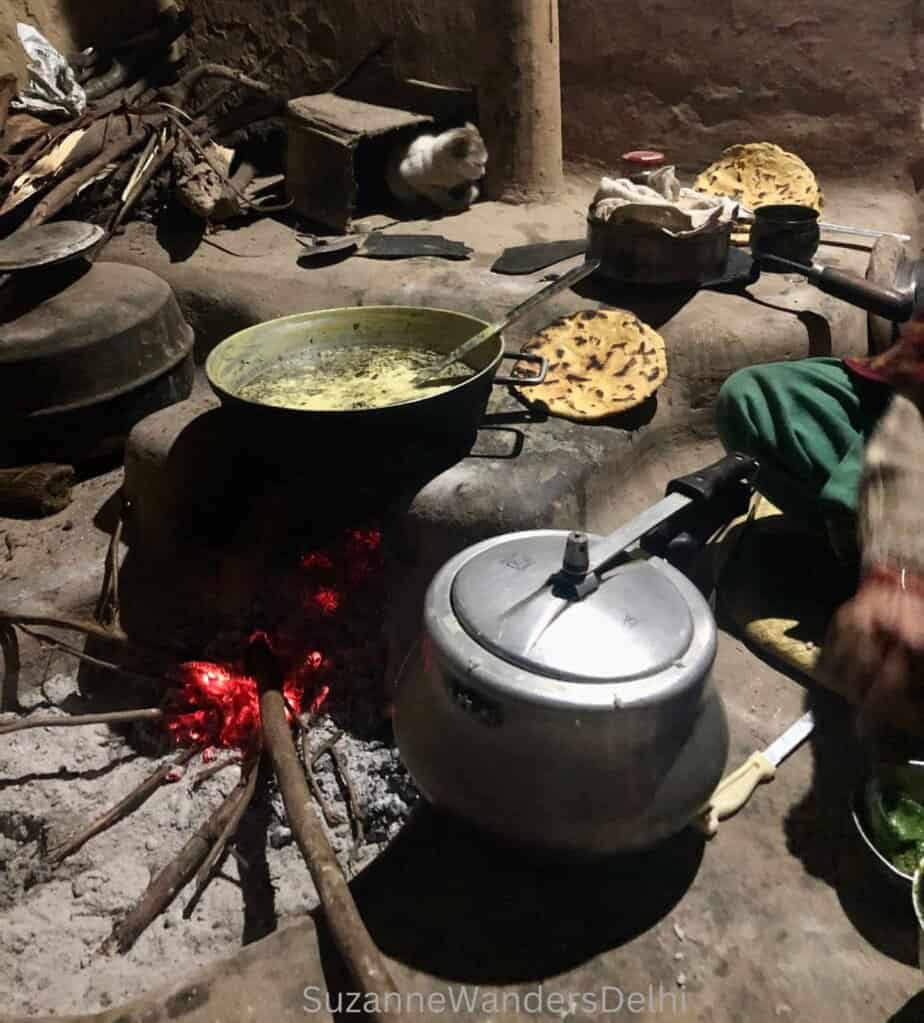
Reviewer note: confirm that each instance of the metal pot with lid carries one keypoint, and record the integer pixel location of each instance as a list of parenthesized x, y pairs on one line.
[(562, 694)]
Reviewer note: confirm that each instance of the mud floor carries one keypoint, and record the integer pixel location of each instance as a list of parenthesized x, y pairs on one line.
[(55, 920)]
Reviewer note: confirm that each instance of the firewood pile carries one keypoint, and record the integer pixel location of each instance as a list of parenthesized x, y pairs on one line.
[(147, 122)]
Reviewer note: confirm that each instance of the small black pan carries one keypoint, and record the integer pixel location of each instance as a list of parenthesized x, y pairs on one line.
[(785, 238), (788, 231)]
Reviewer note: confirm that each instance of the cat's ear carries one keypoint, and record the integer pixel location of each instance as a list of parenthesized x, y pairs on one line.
[(461, 146)]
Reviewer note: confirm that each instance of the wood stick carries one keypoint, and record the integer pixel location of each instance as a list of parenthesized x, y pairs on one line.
[(221, 94), (98, 662), (125, 806), (109, 634), (180, 93), (108, 606), (325, 748), (41, 143), (351, 796), (7, 92), (210, 772), (62, 194), (196, 146), (166, 151), (313, 785), (347, 77), (9, 689), (106, 83), (229, 205), (41, 489), (355, 944), (247, 787), (165, 887), (83, 59), (242, 117), (126, 98), (114, 717)]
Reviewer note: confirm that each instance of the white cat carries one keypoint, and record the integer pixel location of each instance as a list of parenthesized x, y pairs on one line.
[(442, 168)]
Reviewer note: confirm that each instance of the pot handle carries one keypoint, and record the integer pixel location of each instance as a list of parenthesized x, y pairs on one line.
[(541, 373)]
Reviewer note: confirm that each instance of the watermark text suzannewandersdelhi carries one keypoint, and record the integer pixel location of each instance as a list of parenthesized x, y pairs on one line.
[(477, 1001)]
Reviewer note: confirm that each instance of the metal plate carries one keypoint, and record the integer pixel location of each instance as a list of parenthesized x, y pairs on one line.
[(48, 244), (634, 626)]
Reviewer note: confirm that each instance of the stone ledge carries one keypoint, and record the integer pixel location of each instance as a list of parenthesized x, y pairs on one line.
[(559, 477)]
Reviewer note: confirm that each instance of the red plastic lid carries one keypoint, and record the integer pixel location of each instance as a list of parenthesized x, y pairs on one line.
[(644, 157)]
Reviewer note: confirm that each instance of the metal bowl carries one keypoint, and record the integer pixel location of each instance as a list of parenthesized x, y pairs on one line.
[(882, 865), (917, 902)]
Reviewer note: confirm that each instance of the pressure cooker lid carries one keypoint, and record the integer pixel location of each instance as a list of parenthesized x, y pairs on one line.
[(634, 625)]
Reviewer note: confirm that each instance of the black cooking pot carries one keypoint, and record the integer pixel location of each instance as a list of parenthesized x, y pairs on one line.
[(786, 230), (441, 426)]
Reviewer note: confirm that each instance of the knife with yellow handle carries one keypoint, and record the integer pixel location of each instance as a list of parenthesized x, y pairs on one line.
[(735, 789)]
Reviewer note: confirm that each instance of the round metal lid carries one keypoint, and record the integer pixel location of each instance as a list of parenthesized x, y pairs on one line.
[(635, 625), (48, 244)]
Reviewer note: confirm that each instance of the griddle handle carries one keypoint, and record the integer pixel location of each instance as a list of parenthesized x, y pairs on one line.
[(705, 484), (885, 302)]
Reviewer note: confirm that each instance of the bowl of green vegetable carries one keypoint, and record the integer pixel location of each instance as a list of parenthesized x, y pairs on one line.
[(888, 813)]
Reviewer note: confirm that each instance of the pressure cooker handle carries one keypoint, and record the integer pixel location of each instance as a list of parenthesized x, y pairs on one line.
[(705, 484), (885, 302)]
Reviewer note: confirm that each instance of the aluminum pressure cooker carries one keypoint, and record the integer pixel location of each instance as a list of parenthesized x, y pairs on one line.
[(562, 694)]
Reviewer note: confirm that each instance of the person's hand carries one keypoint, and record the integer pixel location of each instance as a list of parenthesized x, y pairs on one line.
[(902, 365), (874, 654)]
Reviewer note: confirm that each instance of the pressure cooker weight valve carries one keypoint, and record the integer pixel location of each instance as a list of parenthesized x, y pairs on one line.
[(719, 492)]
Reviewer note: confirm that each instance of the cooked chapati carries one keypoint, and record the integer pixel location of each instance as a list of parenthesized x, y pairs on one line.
[(601, 362), (761, 174)]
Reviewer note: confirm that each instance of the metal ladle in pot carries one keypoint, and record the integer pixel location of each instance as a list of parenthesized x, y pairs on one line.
[(561, 284)]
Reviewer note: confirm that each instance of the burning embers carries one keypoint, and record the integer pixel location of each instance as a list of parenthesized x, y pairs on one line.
[(218, 705)]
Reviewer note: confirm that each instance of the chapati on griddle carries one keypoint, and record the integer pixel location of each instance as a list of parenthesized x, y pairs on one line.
[(601, 361)]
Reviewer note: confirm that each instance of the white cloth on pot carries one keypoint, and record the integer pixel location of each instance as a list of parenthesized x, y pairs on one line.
[(661, 202)]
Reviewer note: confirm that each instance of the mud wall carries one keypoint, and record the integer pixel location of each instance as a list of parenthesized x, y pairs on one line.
[(832, 79)]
